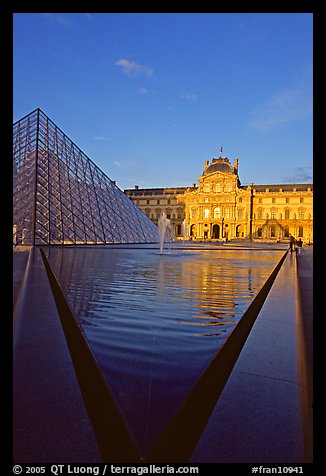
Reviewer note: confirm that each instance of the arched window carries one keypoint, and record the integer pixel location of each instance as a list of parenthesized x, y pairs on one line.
[(217, 212), (239, 231), (206, 212), (300, 232), (273, 230)]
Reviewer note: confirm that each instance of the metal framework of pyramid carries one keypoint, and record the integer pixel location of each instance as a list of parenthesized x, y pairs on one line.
[(60, 196)]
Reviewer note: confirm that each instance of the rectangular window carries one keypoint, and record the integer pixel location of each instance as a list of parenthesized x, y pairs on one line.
[(194, 213), (240, 214), (227, 213), (217, 212), (287, 214)]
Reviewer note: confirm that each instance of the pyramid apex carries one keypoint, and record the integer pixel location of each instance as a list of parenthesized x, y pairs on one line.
[(62, 197)]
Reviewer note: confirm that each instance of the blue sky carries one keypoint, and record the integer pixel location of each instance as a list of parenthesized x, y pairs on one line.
[(150, 96)]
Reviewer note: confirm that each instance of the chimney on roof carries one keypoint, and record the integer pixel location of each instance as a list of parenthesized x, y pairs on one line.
[(236, 165), (206, 163)]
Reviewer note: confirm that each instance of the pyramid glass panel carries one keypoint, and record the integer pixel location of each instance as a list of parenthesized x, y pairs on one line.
[(62, 197)]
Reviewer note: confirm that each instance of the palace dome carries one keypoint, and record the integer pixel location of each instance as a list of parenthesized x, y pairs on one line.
[(219, 165)]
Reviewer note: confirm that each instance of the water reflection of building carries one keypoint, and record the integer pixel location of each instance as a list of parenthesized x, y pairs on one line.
[(220, 208), (222, 287), (210, 289)]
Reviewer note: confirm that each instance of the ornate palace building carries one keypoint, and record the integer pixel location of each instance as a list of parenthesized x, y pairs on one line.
[(220, 208)]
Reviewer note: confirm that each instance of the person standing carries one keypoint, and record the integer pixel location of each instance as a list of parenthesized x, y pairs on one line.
[(292, 243), (299, 244)]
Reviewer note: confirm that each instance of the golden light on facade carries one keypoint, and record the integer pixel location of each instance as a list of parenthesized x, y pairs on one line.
[(219, 208)]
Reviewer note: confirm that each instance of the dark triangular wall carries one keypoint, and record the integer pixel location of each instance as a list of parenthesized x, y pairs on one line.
[(62, 197)]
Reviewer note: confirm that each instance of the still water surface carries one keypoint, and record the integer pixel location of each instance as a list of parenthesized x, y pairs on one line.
[(155, 321)]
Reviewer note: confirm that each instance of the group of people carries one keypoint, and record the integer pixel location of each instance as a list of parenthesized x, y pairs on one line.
[(295, 245)]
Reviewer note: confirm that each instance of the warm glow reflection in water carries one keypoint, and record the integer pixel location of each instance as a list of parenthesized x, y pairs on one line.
[(155, 321)]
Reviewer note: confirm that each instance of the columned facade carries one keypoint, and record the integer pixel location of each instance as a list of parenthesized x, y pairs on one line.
[(154, 201), (220, 208)]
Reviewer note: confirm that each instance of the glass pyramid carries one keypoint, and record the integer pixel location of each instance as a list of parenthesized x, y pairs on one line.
[(60, 195)]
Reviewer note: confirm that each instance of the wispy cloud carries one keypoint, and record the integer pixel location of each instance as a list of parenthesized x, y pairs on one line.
[(189, 97), (301, 175), (288, 105), (58, 19), (142, 91), (131, 68)]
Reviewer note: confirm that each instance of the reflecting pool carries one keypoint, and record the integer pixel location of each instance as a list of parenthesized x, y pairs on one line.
[(155, 321)]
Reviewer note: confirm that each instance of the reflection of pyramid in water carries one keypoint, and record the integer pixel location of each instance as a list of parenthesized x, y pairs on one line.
[(62, 197)]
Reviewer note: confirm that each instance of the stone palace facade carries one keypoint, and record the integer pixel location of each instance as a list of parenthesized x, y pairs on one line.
[(220, 208)]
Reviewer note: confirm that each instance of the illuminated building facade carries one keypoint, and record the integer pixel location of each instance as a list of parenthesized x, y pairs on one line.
[(220, 208)]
